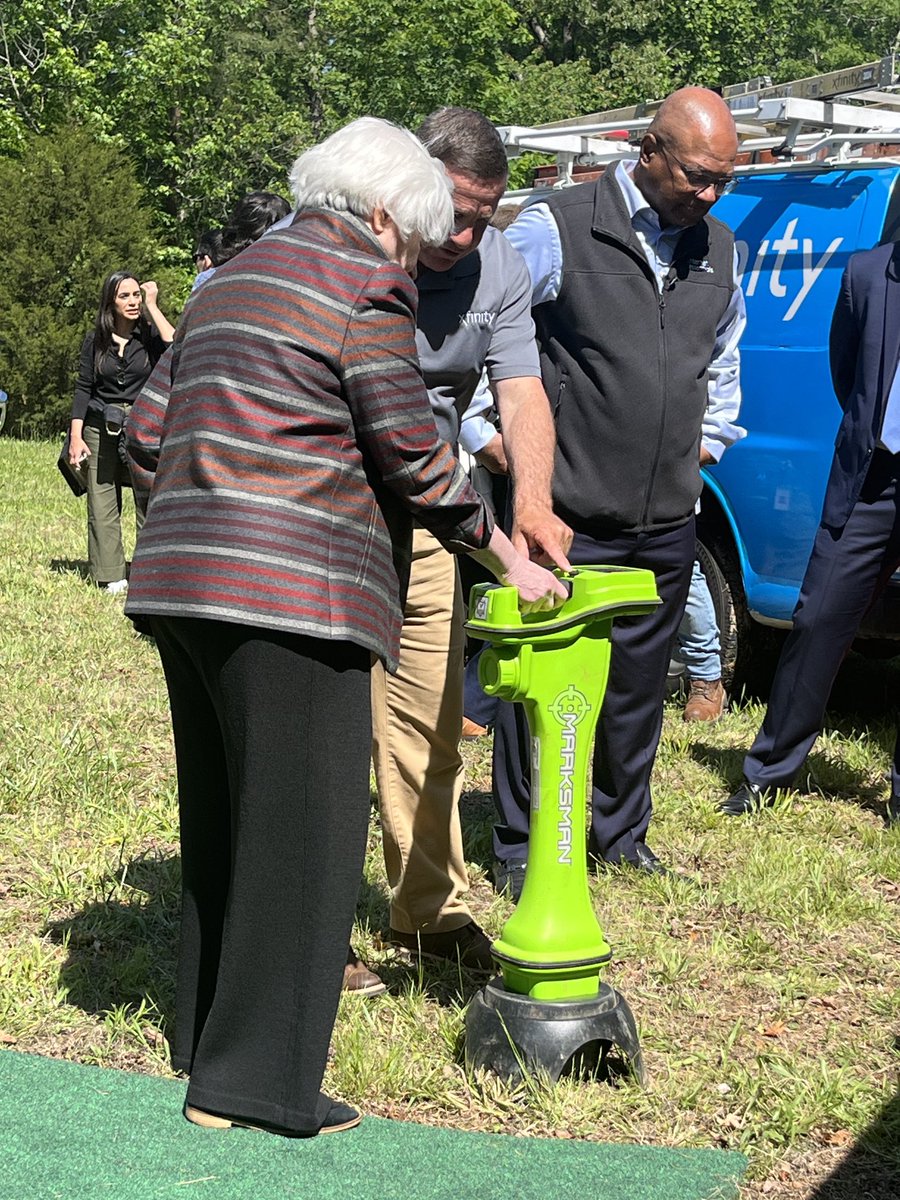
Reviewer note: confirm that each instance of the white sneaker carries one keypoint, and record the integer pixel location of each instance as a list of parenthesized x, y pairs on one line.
[(117, 587)]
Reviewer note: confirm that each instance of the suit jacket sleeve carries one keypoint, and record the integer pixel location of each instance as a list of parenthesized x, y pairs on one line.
[(844, 340)]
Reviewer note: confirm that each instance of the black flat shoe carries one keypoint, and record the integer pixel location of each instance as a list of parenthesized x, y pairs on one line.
[(339, 1118), (749, 797)]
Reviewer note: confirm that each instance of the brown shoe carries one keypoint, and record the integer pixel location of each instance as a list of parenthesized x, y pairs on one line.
[(706, 701), (359, 980), (471, 731), (469, 945)]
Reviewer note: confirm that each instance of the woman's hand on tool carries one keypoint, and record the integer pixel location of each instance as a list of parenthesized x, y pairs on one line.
[(539, 589)]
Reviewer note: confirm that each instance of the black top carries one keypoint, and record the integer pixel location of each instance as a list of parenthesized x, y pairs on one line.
[(119, 378)]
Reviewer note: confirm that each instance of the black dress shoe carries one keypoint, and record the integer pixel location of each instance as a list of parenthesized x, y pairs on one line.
[(509, 879), (644, 860), (749, 797)]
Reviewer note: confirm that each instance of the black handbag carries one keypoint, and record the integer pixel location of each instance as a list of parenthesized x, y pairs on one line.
[(75, 477)]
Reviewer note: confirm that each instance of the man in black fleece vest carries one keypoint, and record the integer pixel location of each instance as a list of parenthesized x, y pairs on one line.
[(638, 317)]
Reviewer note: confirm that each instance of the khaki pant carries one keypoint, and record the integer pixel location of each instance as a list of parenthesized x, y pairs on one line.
[(417, 721), (106, 476)]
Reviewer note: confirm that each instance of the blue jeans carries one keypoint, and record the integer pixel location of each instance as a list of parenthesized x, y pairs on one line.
[(697, 641)]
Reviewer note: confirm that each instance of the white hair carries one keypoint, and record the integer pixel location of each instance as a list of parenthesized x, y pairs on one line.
[(372, 164)]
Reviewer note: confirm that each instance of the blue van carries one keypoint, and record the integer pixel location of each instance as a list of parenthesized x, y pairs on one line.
[(795, 228)]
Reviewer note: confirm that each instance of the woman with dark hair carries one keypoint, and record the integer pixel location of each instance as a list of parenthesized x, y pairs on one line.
[(129, 336), (207, 250), (248, 222)]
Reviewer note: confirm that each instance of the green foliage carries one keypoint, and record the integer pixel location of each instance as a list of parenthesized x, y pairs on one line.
[(401, 59), (209, 106), (205, 95), (213, 98), (210, 99), (71, 211)]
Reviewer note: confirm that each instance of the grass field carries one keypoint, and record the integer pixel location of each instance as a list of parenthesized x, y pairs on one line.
[(766, 981)]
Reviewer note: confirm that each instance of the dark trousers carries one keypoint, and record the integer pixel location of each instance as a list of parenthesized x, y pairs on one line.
[(272, 742), (631, 718), (477, 705), (846, 571)]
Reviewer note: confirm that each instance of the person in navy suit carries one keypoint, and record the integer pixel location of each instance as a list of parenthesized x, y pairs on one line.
[(857, 547)]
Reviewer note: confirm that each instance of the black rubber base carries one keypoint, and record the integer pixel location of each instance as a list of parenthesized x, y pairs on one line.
[(506, 1033)]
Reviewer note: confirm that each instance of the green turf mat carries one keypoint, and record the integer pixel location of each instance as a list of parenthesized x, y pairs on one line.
[(84, 1133)]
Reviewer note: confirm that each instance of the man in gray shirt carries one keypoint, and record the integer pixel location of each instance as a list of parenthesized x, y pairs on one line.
[(474, 314)]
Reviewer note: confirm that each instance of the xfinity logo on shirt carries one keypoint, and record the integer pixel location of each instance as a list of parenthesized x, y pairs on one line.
[(483, 320)]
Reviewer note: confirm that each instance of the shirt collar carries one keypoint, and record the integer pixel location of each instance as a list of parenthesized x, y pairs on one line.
[(438, 281), (639, 211)]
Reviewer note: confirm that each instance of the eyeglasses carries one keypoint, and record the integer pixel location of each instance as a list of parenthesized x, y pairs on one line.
[(698, 180)]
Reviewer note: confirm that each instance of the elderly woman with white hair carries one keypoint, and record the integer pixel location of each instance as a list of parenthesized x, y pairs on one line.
[(298, 445)]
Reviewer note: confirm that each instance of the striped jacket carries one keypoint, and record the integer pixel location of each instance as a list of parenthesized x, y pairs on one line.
[(297, 444)]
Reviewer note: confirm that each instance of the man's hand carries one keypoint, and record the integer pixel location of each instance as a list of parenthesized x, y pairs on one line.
[(541, 535), (493, 456)]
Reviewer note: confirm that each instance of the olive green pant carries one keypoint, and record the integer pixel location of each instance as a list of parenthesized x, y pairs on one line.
[(106, 476)]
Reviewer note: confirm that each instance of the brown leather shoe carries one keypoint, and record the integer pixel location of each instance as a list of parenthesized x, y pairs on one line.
[(706, 701), (469, 945), (359, 980), (471, 731)]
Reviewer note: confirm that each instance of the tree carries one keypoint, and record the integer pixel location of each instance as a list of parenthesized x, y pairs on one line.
[(401, 59), (209, 97), (72, 211), (581, 56)]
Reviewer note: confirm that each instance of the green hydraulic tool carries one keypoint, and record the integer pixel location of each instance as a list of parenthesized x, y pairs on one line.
[(549, 1009)]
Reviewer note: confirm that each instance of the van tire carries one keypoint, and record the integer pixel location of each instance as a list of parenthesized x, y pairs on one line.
[(749, 650)]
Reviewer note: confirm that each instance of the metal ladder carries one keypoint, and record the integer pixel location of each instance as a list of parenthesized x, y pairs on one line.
[(851, 115)]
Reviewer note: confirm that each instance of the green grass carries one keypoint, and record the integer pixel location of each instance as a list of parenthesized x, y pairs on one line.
[(766, 982)]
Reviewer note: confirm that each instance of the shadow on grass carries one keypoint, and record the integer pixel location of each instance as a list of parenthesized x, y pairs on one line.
[(70, 566), (832, 778), (862, 705), (123, 951), (477, 815), (871, 1169)]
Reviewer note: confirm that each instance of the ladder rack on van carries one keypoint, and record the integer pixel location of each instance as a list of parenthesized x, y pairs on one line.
[(843, 116)]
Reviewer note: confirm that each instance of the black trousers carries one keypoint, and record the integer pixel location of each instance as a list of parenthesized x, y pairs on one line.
[(272, 741), (846, 571), (631, 718)]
